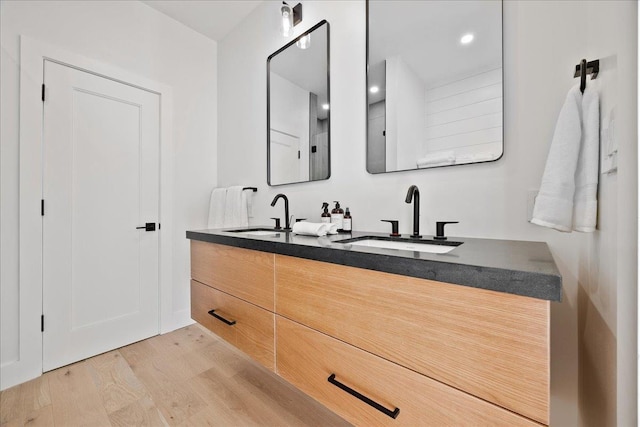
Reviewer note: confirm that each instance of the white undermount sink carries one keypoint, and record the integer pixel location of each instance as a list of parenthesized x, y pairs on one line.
[(404, 245)]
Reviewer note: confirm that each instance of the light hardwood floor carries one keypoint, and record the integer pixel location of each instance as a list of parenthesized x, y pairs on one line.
[(188, 377)]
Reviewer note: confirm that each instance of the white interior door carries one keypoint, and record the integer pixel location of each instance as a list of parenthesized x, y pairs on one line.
[(100, 182), (285, 158)]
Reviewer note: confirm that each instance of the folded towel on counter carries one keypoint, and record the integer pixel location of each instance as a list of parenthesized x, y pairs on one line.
[(216, 208), (567, 197), (314, 228), (442, 158)]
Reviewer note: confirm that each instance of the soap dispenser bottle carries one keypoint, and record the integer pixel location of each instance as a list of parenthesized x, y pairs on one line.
[(326, 216), (346, 222), (337, 216)]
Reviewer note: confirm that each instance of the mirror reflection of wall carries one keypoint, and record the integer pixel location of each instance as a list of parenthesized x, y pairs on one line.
[(434, 83), (298, 113)]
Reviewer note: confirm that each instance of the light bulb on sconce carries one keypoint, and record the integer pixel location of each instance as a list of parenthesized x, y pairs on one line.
[(290, 18), (325, 106), (374, 89), (304, 42)]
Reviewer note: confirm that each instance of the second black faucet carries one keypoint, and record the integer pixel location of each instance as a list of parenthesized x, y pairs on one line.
[(414, 194)]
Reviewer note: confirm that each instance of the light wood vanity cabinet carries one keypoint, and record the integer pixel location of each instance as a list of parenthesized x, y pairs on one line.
[(490, 344), (248, 327), (307, 358), (244, 273), (237, 284), (443, 354)]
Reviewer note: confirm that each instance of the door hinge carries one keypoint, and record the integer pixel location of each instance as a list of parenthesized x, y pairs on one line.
[(42, 92), (42, 207), (298, 153), (42, 323)]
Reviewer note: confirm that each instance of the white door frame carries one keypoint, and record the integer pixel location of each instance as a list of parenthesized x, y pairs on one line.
[(32, 56)]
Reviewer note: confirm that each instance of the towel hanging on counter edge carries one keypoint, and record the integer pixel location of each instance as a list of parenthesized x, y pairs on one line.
[(567, 200)]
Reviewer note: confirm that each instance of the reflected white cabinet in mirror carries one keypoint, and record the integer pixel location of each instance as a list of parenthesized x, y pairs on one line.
[(298, 109), (434, 83)]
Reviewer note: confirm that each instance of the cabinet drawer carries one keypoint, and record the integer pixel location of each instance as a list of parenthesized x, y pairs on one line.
[(252, 330), (243, 273), (307, 359), (490, 344)]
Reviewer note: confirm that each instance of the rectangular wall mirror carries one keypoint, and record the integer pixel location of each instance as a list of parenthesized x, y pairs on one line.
[(434, 83), (298, 109)]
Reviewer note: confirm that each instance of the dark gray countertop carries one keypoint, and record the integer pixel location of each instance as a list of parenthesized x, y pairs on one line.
[(516, 267)]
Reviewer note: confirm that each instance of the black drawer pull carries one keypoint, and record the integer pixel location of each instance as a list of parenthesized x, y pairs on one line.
[(222, 319), (393, 414)]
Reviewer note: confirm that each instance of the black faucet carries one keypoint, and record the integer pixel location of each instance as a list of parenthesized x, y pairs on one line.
[(286, 209), (414, 194)]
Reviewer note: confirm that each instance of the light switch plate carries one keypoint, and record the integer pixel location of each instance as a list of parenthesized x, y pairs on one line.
[(608, 144)]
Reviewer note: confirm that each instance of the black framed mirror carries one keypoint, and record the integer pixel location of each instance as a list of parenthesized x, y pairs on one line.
[(298, 109), (434, 83)]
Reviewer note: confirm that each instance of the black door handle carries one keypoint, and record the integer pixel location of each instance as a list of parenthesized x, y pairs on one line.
[(149, 226)]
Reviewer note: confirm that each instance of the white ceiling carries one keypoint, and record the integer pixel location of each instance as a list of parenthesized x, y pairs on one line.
[(212, 18), (426, 35)]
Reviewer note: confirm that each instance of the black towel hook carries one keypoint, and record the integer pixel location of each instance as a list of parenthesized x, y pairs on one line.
[(583, 75), (584, 68)]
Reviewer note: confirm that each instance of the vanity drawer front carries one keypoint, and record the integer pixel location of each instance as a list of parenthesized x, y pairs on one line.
[(491, 344), (252, 330), (244, 273), (307, 358)]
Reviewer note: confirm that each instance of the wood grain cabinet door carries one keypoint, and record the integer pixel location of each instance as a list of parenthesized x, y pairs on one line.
[(490, 344), (246, 326), (244, 273), (307, 359)]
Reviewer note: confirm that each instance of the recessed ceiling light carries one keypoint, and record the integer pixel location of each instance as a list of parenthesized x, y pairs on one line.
[(374, 89), (325, 106), (466, 39)]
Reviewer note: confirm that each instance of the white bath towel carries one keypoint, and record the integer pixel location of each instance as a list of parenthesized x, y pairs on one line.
[(216, 208), (442, 158), (569, 182), (235, 208), (314, 228), (585, 202)]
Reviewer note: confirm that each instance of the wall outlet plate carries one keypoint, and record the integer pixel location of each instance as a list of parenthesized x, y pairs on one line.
[(531, 201)]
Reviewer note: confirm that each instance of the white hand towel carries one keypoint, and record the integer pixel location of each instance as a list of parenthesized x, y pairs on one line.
[(475, 158), (571, 164), (437, 159), (216, 208), (235, 211), (314, 228), (585, 203)]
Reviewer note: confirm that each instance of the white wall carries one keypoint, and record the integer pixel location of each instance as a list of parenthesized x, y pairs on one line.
[(543, 41), (136, 38), (465, 116)]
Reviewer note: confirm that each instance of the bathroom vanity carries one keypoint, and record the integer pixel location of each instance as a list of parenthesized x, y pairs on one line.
[(384, 336)]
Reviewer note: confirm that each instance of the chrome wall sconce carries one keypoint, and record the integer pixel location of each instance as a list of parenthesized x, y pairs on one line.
[(290, 18)]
